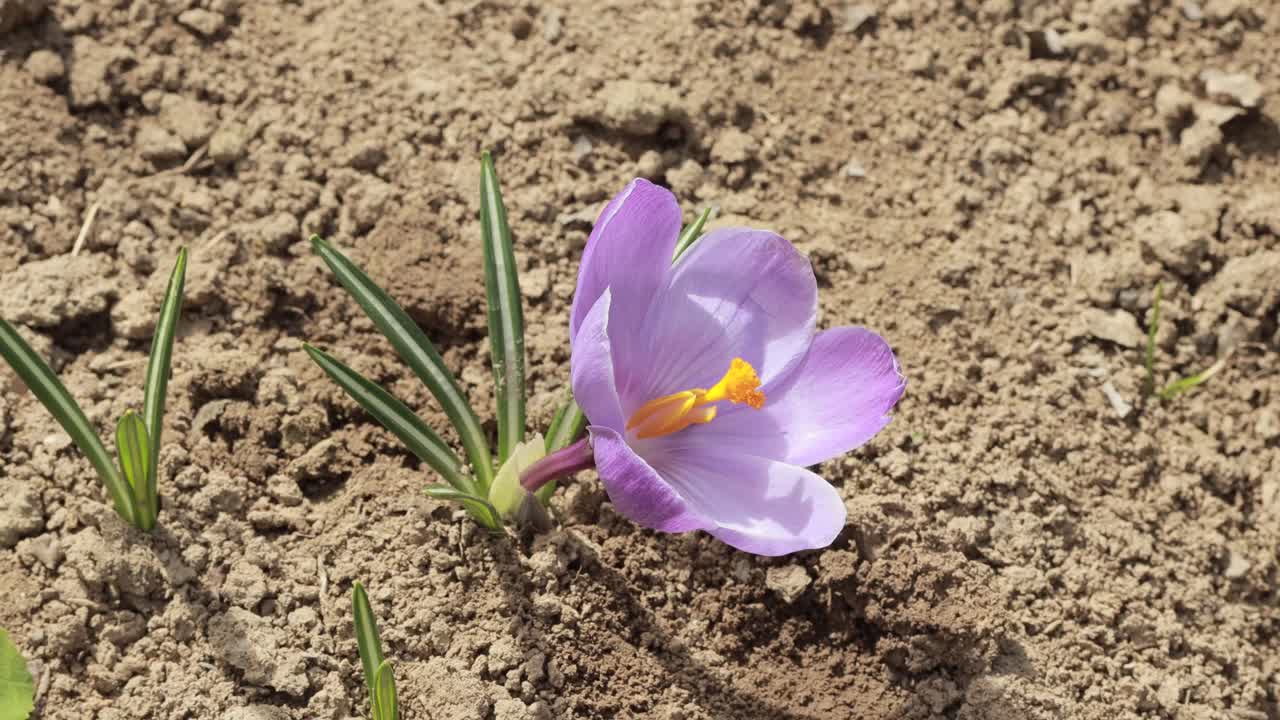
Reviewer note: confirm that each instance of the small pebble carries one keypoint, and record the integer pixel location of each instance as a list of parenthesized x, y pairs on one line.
[(1118, 403), (581, 149), (1237, 566), (227, 144), (159, 145), (1118, 326), (45, 66), (858, 17), (191, 120), (552, 25), (788, 582), (1238, 88), (202, 22)]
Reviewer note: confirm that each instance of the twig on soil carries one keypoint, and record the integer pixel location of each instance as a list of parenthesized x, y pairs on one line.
[(85, 229), (185, 167), (121, 364), (182, 169), (195, 158)]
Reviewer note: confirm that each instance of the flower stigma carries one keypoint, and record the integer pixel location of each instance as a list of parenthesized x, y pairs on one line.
[(677, 411)]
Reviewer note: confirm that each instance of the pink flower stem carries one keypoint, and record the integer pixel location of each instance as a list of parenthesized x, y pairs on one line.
[(560, 463)]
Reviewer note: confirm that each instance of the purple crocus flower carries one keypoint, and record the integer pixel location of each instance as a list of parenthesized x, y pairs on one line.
[(706, 389)]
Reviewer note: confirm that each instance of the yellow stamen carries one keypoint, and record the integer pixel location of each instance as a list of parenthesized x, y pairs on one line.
[(739, 385), (677, 411)]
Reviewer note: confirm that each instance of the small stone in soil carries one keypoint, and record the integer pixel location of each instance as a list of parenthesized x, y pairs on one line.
[(857, 17), (1165, 235), (203, 22), (45, 66), (1236, 88), (1237, 566), (552, 26), (1116, 326), (159, 145), (227, 144), (95, 70), (191, 120), (788, 582)]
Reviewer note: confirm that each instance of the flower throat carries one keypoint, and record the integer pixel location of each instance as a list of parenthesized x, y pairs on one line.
[(677, 411)]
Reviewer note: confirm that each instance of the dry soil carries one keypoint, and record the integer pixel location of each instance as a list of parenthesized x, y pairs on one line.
[(995, 186)]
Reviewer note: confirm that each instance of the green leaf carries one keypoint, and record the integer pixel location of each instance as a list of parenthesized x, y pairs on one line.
[(158, 379), (17, 691), (1177, 387), (479, 507), (396, 417), (45, 385), (690, 235), (506, 319), (418, 352), (384, 700), (367, 640), (134, 450), (1151, 339), (566, 427)]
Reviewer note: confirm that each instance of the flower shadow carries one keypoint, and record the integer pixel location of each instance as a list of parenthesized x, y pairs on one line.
[(624, 640)]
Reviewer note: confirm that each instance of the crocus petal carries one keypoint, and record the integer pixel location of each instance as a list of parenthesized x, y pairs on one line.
[(629, 250), (758, 505), (635, 489), (832, 403), (736, 293), (591, 368)]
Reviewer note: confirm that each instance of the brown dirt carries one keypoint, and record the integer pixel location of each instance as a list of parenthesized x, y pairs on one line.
[(995, 186)]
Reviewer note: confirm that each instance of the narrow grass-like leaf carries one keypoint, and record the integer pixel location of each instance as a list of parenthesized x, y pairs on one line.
[(396, 417), (17, 690), (134, 451), (479, 507), (418, 352), (1152, 329), (1177, 387), (566, 427), (556, 421), (386, 706), (367, 639), (690, 234), (506, 318), (158, 378), (45, 385)]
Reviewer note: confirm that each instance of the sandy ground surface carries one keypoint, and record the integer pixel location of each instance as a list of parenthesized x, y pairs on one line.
[(995, 186)]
